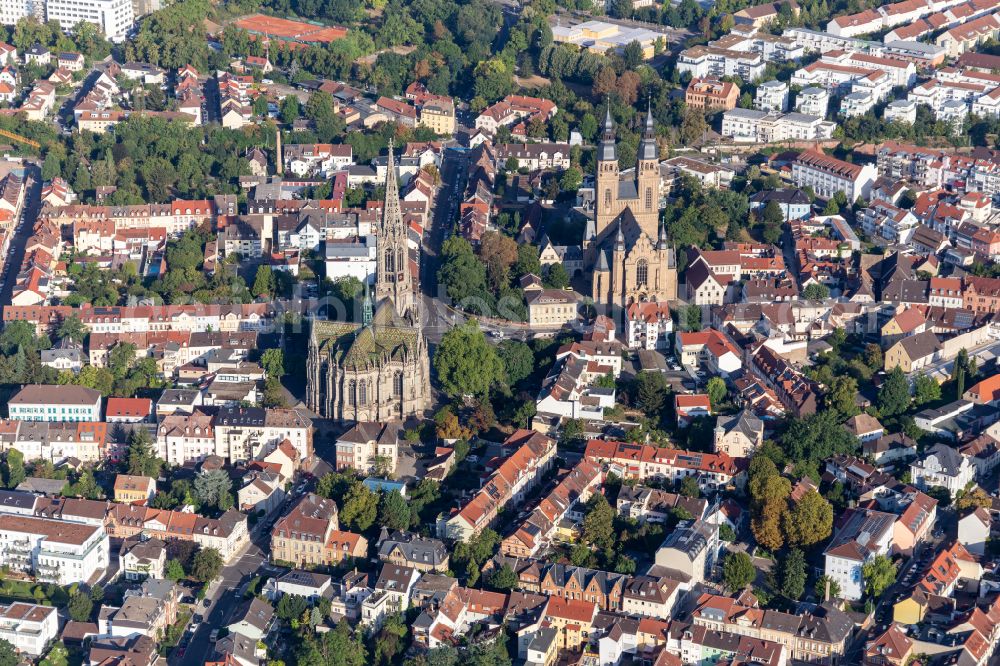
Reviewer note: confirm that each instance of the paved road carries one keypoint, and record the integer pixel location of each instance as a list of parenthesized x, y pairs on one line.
[(224, 597), (454, 173), (15, 255)]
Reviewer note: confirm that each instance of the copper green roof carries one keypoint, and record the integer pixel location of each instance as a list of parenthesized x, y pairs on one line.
[(356, 347)]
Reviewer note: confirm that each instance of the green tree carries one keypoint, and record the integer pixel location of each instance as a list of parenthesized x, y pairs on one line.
[(691, 318), (174, 570), (738, 570), (518, 360), (393, 511), (213, 487), (873, 356), (13, 468), (878, 574), (503, 579), (263, 283), (717, 391), (360, 508), (598, 523), (465, 363), (289, 109), (651, 392), (86, 486), (8, 655), (557, 277), (894, 394), (843, 395), (793, 574), (80, 606), (816, 291), (688, 487), (820, 589), (772, 213), (925, 390), (71, 328), (273, 362), (140, 458), (206, 565), (810, 520), (571, 179), (338, 647)]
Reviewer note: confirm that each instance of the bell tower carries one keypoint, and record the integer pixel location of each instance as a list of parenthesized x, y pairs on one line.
[(392, 275), (606, 180), (648, 178)]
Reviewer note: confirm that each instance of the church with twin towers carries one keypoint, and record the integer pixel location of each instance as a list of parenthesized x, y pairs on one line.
[(624, 243)]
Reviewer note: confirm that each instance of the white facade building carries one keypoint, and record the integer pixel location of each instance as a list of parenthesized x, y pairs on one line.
[(772, 97), (827, 176), (56, 551), (114, 17), (901, 111), (813, 101), (352, 258), (864, 536), (28, 627)]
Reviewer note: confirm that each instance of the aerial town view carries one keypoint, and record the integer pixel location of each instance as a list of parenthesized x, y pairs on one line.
[(499, 333)]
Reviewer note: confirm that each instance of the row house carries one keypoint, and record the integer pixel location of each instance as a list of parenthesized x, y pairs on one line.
[(308, 536), (317, 159), (534, 156), (506, 486), (645, 461), (818, 636), (201, 318), (228, 534), (610, 592), (234, 433), (514, 109), (797, 393), (56, 441), (563, 503)]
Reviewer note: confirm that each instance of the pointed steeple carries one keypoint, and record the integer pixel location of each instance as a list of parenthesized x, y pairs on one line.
[(607, 151), (662, 245), (367, 312), (648, 150), (392, 276), (620, 240)]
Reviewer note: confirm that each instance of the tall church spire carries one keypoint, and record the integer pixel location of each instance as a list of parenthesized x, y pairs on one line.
[(392, 276), (607, 152), (648, 149)]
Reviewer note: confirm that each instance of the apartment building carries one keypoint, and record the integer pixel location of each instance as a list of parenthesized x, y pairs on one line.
[(711, 94), (828, 175), (37, 402), (863, 535), (818, 636), (772, 97), (54, 551), (227, 533), (131, 488), (370, 448), (309, 536), (757, 126), (28, 627)]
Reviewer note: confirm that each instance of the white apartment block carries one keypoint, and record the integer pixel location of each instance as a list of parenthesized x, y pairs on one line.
[(703, 61), (901, 111), (856, 104), (758, 126), (952, 111), (828, 175), (55, 551), (29, 627), (813, 101), (114, 17), (772, 97), (12, 11), (842, 77)]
